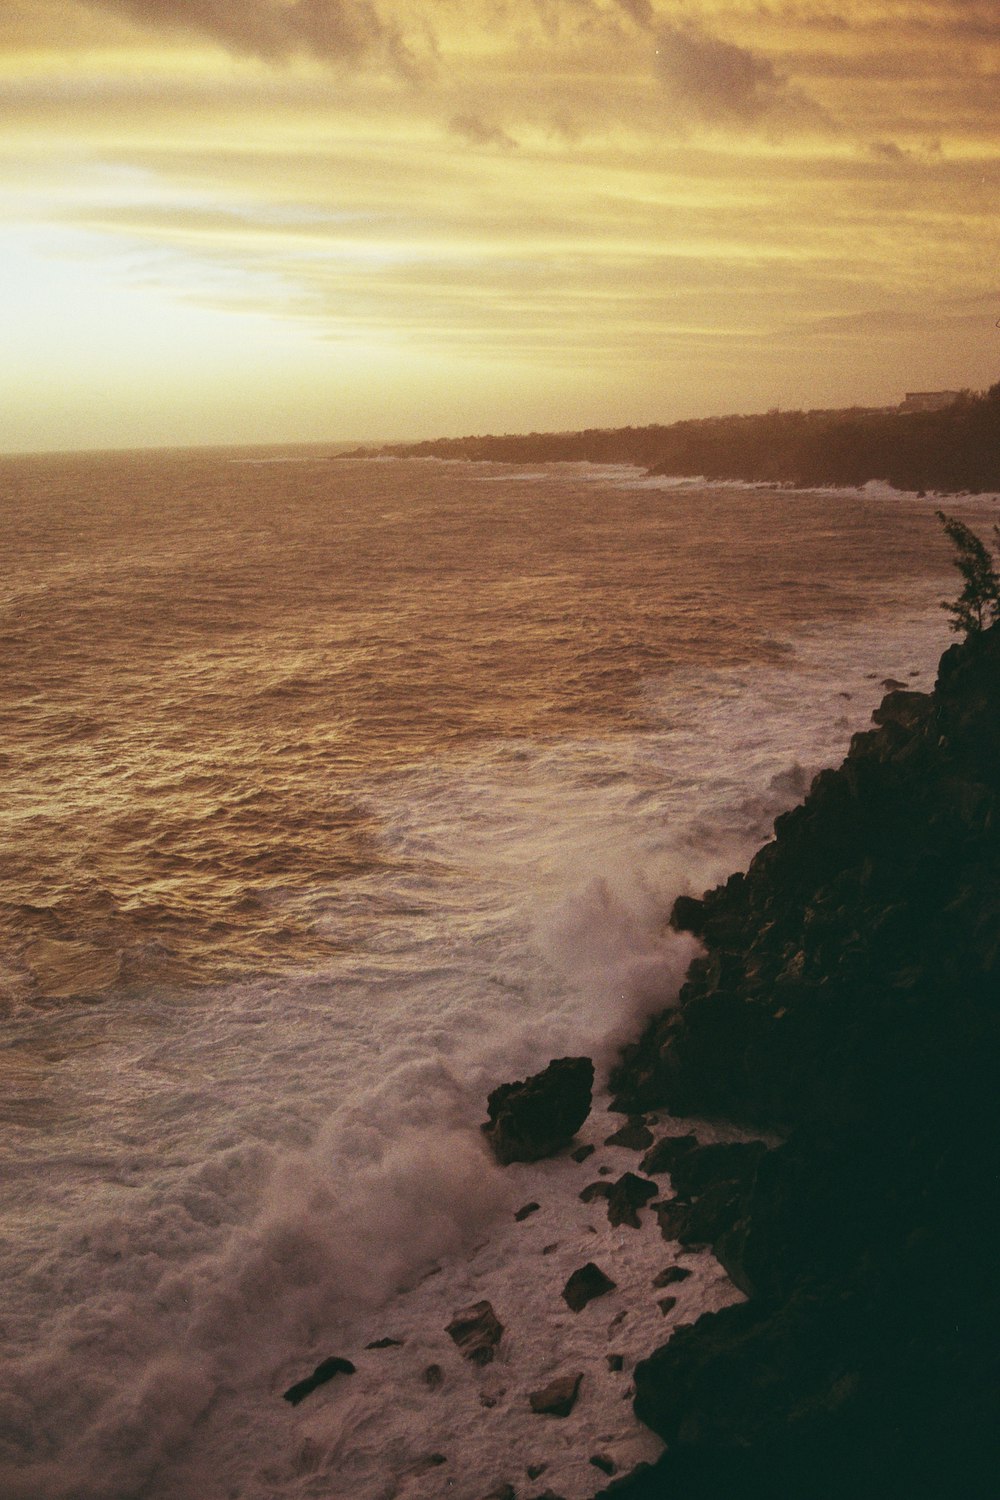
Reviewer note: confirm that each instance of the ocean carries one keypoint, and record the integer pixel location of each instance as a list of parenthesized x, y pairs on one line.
[(337, 792)]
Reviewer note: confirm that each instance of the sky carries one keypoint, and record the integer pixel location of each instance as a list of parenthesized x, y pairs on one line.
[(255, 221)]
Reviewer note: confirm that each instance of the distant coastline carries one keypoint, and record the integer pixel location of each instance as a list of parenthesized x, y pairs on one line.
[(952, 449)]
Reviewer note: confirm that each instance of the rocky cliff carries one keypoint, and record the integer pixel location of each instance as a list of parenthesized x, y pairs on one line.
[(848, 998)]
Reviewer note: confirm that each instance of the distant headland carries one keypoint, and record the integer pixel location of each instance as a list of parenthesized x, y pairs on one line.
[(945, 441)]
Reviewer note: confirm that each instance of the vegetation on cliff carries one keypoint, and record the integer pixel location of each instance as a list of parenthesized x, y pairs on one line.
[(956, 448), (848, 997)]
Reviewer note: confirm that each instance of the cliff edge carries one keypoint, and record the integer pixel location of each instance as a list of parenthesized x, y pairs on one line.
[(848, 998)]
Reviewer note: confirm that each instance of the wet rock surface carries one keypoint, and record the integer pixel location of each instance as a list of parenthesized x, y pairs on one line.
[(476, 1330), (626, 1197), (558, 1398), (584, 1285), (538, 1116), (848, 999), (323, 1373)]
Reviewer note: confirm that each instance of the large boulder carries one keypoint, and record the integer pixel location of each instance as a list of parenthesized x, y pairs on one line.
[(537, 1116)]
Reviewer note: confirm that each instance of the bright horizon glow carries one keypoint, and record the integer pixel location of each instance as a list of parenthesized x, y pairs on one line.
[(346, 224)]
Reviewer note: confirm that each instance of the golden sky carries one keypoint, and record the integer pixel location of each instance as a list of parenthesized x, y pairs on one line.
[(307, 220)]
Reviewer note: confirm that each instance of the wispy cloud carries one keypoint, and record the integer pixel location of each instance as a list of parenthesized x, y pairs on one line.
[(329, 29), (718, 82), (478, 132)]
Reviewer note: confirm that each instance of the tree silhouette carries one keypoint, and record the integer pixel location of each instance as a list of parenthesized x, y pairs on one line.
[(978, 605)]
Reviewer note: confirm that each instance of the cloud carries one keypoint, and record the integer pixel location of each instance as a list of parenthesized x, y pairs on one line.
[(477, 132), (329, 29), (716, 81)]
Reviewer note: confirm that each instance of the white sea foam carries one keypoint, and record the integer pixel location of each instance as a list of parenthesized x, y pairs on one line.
[(219, 1189)]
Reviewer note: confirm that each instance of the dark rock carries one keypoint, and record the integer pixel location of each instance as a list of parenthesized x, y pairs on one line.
[(635, 1136), (669, 1149), (846, 999), (595, 1190), (540, 1115), (704, 1220), (426, 1463), (627, 1196), (477, 1331), (502, 1492), (526, 1211), (582, 1152), (670, 1275), (548, 1249), (322, 1373), (616, 1362), (547, 1495), (724, 1161), (667, 1305), (604, 1463), (584, 1285), (535, 1471), (385, 1344), (433, 1377), (558, 1398)]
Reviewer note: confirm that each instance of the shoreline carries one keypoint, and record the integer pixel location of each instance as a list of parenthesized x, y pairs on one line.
[(952, 450)]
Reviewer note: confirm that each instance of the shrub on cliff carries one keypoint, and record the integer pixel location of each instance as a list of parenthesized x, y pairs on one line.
[(978, 605)]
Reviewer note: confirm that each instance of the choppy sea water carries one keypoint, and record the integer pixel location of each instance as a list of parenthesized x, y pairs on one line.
[(335, 793)]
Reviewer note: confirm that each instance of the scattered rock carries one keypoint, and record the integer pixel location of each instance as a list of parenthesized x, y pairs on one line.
[(595, 1190), (434, 1377), (426, 1463), (627, 1196), (584, 1285), (558, 1398), (616, 1362), (385, 1344), (322, 1373), (582, 1152), (604, 1463), (634, 1136), (526, 1212), (490, 1399), (667, 1305), (670, 1275), (537, 1116), (477, 1331)]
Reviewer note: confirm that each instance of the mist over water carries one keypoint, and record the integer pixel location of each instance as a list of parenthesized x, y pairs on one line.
[(335, 794)]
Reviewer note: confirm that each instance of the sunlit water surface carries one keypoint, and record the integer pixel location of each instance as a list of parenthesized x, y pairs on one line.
[(336, 792)]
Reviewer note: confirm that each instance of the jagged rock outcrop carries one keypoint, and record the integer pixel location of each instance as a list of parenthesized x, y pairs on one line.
[(848, 997), (538, 1116)]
